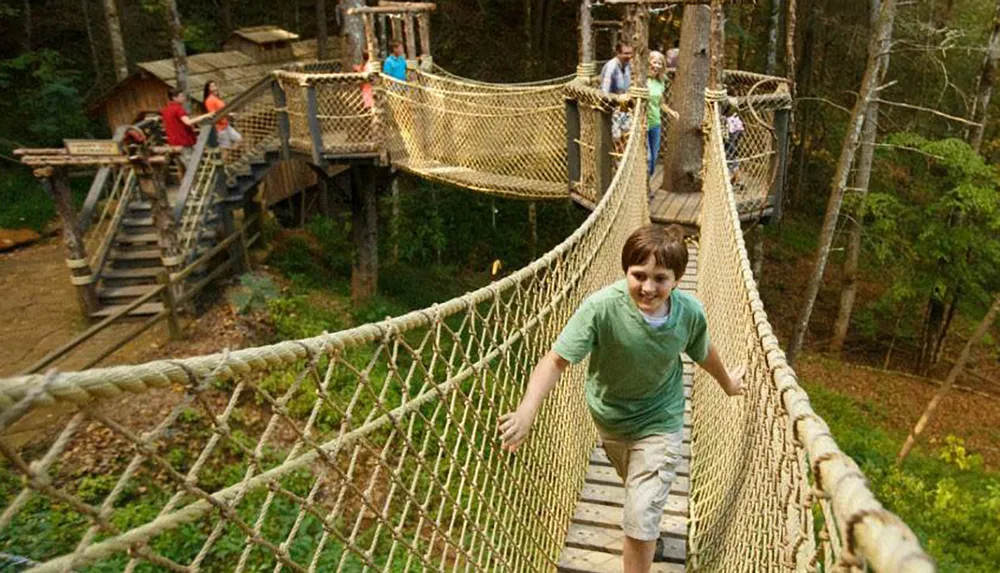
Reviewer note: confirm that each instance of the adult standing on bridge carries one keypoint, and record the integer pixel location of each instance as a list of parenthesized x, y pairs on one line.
[(634, 331), (395, 64), (616, 78), (655, 84)]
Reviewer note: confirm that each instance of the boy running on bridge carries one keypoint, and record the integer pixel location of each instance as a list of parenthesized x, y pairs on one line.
[(634, 331)]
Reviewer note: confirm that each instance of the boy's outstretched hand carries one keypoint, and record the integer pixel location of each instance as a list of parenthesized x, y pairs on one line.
[(735, 385), (514, 428)]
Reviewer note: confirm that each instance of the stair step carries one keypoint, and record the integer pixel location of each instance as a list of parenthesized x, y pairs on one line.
[(135, 238), (146, 309), (147, 273), (137, 221), (134, 255), (118, 292)]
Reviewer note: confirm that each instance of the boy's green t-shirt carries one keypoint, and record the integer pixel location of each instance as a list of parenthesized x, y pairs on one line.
[(635, 377)]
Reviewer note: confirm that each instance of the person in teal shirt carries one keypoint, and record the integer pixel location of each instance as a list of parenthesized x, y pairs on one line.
[(395, 65), (654, 125), (634, 332)]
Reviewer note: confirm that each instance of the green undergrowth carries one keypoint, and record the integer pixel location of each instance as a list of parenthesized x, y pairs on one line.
[(948, 499), (24, 202)]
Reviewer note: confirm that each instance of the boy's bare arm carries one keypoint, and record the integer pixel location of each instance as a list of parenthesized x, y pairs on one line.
[(731, 381), (514, 426)]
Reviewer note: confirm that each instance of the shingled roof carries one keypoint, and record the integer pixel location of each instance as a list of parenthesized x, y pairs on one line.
[(266, 34)]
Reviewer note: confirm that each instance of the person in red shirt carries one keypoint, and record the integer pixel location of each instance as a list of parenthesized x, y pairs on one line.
[(228, 136), (178, 126)]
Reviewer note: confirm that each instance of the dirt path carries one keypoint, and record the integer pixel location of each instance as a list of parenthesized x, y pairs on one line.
[(39, 312)]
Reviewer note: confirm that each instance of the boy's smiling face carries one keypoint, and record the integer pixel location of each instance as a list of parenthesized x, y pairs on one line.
[(650, 285)]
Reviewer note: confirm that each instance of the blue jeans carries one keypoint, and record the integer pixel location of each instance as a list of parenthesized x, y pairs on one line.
[(653, 139)]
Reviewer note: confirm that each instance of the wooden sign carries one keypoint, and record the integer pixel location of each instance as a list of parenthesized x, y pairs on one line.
[(101, 147)]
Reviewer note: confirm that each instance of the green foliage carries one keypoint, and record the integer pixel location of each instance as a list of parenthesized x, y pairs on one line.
[(42, 103), (949, 501), (254, 292), (294, 318)]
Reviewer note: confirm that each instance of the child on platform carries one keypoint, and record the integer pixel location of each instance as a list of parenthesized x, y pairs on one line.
[(634, 331)]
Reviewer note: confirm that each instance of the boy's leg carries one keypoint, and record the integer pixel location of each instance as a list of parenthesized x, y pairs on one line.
[(648, 467)]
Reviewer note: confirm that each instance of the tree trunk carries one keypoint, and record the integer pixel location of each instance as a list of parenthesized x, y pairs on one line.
[(95, 59), (717, 46), (364, 228), (528, 51), (354, 33), (27, 26), (533, 230), (953, 374), (177, 44), (981, 105), (585, 57), (639, 39), (226, 11), (117, 42), (862, 178), (772, 38), (321, 34), (685, 145), (882, 36)]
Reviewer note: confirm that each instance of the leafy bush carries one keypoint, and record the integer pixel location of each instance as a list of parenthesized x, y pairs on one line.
[(949, 501)]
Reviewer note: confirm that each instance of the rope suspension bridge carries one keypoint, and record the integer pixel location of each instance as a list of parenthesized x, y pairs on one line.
[(375, 448)]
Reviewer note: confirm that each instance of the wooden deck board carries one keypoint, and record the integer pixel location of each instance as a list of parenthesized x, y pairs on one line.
[(594, 540)]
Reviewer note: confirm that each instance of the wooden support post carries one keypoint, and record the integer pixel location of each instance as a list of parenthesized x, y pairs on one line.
[(573, 159), (364, 228), (533, 229), (315, 131), (614, 40), (781, 122), (394, 219), (639, 18), (55, 181), (426, 59), (717, 44), (383, 29), (155, 192), (586, 67), (281, 115), (605, 145), (397, 29), (256, 206), (170, 306), (370, 42), (411, 38)]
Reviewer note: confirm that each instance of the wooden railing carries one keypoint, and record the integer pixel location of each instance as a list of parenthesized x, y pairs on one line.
[(166, 290)]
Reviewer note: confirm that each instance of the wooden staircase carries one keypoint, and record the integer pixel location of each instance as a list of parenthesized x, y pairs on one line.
[(134, 262)]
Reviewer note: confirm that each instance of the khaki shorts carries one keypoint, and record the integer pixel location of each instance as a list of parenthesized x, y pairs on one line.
[(648, 467)]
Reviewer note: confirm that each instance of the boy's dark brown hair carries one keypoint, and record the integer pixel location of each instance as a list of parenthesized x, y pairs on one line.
[(666, 244)]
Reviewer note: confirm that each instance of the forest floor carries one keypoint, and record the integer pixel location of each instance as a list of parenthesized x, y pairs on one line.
[(971, 411)]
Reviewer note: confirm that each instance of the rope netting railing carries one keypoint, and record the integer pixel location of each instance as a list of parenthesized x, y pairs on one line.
[(505, 140), (253, 115), (373, 448), (770, 489)]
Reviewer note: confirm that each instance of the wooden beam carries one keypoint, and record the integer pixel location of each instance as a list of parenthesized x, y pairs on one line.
[(586, 55), (411, 37), (371, 44), (671, 2), (281, 114), (781, 117), (402, 8), (312, 111), (717, 45), (424, 21), (56, 185), (605, 145), (573, 158)]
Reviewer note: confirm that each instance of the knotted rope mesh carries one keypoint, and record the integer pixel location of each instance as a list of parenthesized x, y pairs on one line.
[(376, 448), (770, 490), (371, 449), (505, 140)]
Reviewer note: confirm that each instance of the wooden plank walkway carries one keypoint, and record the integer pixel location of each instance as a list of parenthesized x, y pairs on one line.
[(673, 208), (594, 541)]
